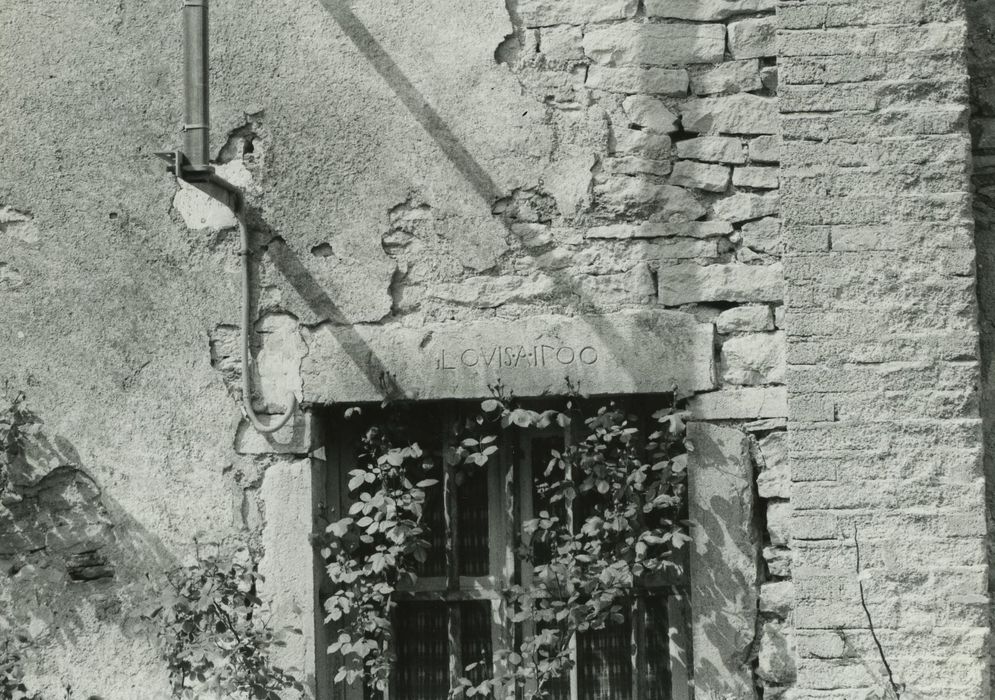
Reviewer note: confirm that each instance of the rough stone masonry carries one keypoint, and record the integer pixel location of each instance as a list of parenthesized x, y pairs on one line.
[(766, 204)]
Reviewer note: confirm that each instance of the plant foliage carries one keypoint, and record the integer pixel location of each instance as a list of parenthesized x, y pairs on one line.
[(216, 637), (614, 501)]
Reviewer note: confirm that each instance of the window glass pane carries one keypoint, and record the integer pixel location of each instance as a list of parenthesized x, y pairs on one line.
[(475, 618), (422, 643), (474, 542), (657, 649), (605, 664)]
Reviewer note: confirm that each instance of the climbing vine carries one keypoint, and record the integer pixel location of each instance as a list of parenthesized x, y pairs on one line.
[(611, 521), (215, 633)]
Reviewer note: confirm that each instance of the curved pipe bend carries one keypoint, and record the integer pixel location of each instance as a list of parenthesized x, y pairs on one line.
[(246, 321)]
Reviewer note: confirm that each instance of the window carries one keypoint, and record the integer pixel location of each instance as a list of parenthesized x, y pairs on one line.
[(456, 613)]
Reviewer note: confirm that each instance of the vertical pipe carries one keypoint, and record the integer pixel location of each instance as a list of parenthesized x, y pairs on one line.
[(196, 114)]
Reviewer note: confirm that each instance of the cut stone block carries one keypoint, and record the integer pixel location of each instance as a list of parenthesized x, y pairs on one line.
[(754, 358), (732, 114), (631, 80), (642, 143), (635, 196), (728, 77), (690, 282), (650, 113), (753, 38), (701, 176), (723, 564), (655, 44), (759, 178), (774, 480), (763, 235), (653, 229), (617, 353), (748, 404), (744, 206), (744, 319), (705, 10), (765, 149), (542, 13), (713, 149)]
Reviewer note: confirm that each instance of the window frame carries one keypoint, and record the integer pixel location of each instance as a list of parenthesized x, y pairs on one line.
[(510, 503)]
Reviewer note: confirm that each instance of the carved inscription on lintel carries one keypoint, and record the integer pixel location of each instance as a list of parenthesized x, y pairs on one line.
[(516, 357)]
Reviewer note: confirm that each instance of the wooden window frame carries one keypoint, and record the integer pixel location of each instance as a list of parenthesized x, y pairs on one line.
[(510, 503)]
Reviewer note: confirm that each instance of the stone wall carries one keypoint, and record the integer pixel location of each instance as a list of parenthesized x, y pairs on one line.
[(888, 529)]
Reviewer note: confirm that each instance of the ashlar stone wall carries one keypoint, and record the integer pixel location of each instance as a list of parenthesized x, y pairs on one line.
[(885, 446)]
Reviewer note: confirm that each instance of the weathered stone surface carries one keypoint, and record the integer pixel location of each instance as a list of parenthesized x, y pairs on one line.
[(296, 437), (629, 80), (615, 353), (754, 358), (741, 319), (763, 235), (650, 114), (748, 403), (562, 44), (690, 282), (779, 522), (655, 44), (744, 206), (199, 211), (759, 178), (728, 77), (643, 143), (289, 493), (541, 13), (705, 10), (702, 176), (753, 38), (777, 598), (774, 480), (731, 114), (633, 286), (714, 149), (649, 229), (765, 149), (778, 561), (635, 196), (723, 571), (633, 165), (490, 292), (776, 657)]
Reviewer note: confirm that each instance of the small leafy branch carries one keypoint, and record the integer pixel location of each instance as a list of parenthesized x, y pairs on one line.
[(12, 674), (610, 524), (14, 422), (216, 640), (629, 497), (377, 546)]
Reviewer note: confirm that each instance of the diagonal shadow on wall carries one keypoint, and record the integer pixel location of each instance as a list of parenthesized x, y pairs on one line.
[(482, 183)]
